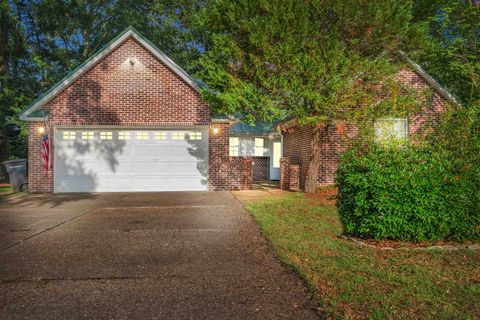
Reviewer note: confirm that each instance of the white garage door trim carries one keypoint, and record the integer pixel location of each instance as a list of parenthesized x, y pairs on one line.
[(178, 169)]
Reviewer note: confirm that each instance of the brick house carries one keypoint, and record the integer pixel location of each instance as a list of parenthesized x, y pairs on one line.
[(297, 139), (130, 119)]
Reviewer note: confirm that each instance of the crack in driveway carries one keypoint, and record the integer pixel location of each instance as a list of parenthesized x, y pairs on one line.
[(45, 230)]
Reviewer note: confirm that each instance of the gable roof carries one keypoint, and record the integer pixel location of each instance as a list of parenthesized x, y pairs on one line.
[(32, 113), (430, 80)]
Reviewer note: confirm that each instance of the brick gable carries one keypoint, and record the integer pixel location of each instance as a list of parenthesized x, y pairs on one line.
[(128, 87), (297, 139)]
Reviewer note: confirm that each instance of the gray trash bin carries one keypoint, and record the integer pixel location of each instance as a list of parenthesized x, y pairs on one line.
[(17, 172)]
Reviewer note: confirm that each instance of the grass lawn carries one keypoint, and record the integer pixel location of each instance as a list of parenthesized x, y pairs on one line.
[(355, 282)]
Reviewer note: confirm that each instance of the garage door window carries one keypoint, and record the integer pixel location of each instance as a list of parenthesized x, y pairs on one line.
[(124, 135), (196, 135), (178, 135), (69, 135), (160, 136), (105, 135), (88, 135), (142, 135)]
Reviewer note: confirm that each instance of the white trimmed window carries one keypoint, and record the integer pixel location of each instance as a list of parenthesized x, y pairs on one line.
[(105, 135), (178, 135), (259, 147), (141, 135), (196, 135), (234, 147), (124, 135), (88, 135), (391, 130), (69, 135), (277, 154), (160, 135)]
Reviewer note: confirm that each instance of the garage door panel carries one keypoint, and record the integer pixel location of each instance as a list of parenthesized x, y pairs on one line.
[(79, 183), (160, 167), (152, 150), (156, 162), (142, 167)]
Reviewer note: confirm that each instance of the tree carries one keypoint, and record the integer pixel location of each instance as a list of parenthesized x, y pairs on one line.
[(453, 56), (317, 61)]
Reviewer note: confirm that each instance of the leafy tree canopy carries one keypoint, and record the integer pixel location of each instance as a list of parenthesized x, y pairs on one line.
[(453, 53), (317, 61), (305, 59)]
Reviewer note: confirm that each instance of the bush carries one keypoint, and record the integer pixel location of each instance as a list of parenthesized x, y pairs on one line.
[(425, 192)]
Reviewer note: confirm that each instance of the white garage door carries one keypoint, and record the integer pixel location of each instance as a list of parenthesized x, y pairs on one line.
[(115, 160)]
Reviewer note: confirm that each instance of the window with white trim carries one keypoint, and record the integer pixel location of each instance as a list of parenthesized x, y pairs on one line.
[(247, 147), (105, 135), (259, 147), (391, 130), (234, 147), (141, 135), (88, 135), (124, 135), (178, 135), (277, 154), (69, 135), (160, 135), (195, 135)]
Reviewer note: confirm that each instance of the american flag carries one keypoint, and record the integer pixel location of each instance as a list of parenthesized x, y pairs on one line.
[(47, 161)]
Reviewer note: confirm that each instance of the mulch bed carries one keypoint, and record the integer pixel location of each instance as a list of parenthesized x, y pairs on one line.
[(403, 245), (324, 196)]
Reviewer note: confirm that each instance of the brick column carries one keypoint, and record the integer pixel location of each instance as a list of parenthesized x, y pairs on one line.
[(247, 174), (284, 173), (218, 157), (294, 177)]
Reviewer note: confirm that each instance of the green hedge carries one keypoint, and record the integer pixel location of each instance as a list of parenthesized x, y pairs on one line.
[(422, 193)]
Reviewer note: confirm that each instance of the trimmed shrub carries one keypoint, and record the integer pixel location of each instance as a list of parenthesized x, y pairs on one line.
[(426, 192)]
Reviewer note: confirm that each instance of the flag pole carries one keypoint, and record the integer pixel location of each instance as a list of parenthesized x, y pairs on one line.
[(47, 166)]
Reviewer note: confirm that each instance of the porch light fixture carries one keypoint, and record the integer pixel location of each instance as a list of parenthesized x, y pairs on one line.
[(216, 130), (41, 129)]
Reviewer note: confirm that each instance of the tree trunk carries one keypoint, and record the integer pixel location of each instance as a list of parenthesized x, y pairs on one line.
[(314, 160)]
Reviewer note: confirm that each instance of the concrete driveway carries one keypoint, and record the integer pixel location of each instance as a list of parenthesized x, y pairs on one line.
[(179, 255)]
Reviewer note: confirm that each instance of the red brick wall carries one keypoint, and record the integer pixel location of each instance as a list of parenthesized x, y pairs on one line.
[(225, 172), (240, 173), (289, 175), (335, 138), (261, 168), (434, 105), (116, 92)]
